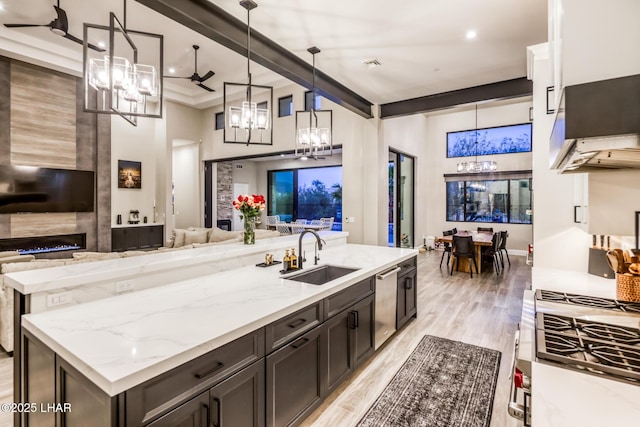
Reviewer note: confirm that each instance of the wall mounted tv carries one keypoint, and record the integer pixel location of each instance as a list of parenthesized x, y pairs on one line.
[(34, 189)]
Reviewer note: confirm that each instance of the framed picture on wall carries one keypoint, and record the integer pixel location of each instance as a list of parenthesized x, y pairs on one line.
[(129, 174)]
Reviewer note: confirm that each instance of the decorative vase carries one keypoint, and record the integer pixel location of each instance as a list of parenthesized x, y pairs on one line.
[(249, 230)]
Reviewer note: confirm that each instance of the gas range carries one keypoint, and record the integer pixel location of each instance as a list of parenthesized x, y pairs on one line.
[(599, 336)]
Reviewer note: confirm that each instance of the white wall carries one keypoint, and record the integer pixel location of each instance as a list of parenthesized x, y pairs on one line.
[(558, 242), (135, 143), (187, 195), (425, 137)]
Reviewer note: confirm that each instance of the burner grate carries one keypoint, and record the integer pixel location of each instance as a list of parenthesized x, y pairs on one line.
[(588, 301), (592, 355), (580, 327)]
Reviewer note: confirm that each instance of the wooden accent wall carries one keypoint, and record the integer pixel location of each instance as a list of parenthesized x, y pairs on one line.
[(43, 117), (41, 224)]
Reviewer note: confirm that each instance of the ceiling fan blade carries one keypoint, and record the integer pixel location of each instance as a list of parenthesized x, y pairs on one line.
[(206, 88), (79, 41), (206, 76), (62, 19), (23, 25)]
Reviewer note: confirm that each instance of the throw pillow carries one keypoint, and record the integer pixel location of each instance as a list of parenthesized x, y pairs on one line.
[(196, 236), (218, 235), (178, 237), (5, 254)]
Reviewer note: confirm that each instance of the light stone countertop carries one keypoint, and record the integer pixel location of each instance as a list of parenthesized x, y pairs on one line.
[(563, 397), (50, 279), (122, 341)]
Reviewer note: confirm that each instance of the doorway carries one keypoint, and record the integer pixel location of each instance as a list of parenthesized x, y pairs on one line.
[(401, 200)]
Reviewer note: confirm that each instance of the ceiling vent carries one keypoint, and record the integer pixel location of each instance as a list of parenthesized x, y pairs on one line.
[(372, 63)]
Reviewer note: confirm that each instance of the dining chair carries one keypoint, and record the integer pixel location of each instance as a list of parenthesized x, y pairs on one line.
[(447, 247), (271, 221), (327, 223), (297, 228), (503, 247), (463, 248), (301, 221), (493, 252), (316, 222), (283, 227), (487, 229)]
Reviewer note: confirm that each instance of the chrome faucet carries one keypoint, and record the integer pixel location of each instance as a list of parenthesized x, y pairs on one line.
[(318, 244)]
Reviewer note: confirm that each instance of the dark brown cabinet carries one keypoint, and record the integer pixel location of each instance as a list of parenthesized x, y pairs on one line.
[(239, 400), (136, 238), (350, 340), (295, 379), (407, 293), (194, 413)]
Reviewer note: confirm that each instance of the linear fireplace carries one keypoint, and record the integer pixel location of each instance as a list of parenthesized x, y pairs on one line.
[(45, 244)]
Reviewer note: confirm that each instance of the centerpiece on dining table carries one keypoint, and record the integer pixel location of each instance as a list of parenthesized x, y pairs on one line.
[(250, 207)]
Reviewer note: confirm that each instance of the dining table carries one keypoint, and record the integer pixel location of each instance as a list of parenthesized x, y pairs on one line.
[(480, 239)]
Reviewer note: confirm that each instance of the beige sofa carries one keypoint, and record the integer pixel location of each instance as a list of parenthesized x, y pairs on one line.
[(13, 262)]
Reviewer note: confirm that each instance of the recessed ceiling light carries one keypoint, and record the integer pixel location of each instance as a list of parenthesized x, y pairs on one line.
[(101, 44), (372, 63), (172, 70), (471, 34)]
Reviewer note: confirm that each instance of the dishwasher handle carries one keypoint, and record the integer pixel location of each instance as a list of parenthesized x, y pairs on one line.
[(383, 276)]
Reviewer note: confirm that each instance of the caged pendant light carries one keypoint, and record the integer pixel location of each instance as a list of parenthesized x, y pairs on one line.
[(249, 115), (313, 136), (476, 166)]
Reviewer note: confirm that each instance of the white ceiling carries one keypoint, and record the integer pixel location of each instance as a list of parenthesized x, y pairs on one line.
[(421, 44)]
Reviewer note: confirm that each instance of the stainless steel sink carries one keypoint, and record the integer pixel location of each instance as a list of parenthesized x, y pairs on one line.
[(322, 275)]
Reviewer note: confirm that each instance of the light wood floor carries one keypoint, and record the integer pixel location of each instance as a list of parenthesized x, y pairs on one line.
[(483, 311)]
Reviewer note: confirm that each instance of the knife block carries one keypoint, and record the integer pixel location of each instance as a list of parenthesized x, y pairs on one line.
[(598, 264)]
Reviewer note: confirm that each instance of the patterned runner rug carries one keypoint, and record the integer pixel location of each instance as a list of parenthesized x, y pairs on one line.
[(443, 383)]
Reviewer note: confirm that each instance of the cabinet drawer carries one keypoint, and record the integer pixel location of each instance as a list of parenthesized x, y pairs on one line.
[(284, 330), (164, 392), (343, 299), (407, 265)]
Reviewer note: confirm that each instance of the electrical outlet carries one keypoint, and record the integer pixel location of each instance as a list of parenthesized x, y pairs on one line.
[(59, 298), (124, 286)]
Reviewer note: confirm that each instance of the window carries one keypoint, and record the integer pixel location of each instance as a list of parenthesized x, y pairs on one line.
[(285, 106), (499, 201), (219, 120), (262, 105), (310, 193), (496, 140), (307, 101)]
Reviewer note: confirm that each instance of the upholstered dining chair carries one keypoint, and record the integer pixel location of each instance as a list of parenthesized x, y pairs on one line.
[(283, 227), (327, 223), (271, 221), (447, 247), (486, 229), (503, 247), (463, 248), (493, 252)]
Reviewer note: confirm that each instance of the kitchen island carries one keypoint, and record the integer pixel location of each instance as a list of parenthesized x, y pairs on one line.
[(568, 397), (108, 354)]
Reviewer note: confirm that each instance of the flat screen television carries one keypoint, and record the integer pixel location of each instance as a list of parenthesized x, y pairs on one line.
[(34, 189)]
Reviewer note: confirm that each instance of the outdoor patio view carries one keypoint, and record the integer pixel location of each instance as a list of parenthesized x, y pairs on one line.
[(306, 194)]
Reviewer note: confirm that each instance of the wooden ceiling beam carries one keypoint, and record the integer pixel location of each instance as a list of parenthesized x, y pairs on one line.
[(220, 26)]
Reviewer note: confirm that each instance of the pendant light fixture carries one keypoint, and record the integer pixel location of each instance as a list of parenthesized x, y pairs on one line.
[(313, 136), (476, 166), (248, 121), (117, 82)]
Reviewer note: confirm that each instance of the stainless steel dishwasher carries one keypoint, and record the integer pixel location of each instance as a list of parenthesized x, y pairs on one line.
[(386, 294)]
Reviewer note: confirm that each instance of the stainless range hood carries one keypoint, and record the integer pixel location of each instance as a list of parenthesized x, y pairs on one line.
[(597, 127)]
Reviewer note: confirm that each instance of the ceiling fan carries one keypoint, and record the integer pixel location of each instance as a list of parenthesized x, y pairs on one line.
[(195, 77), (59, 26)]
